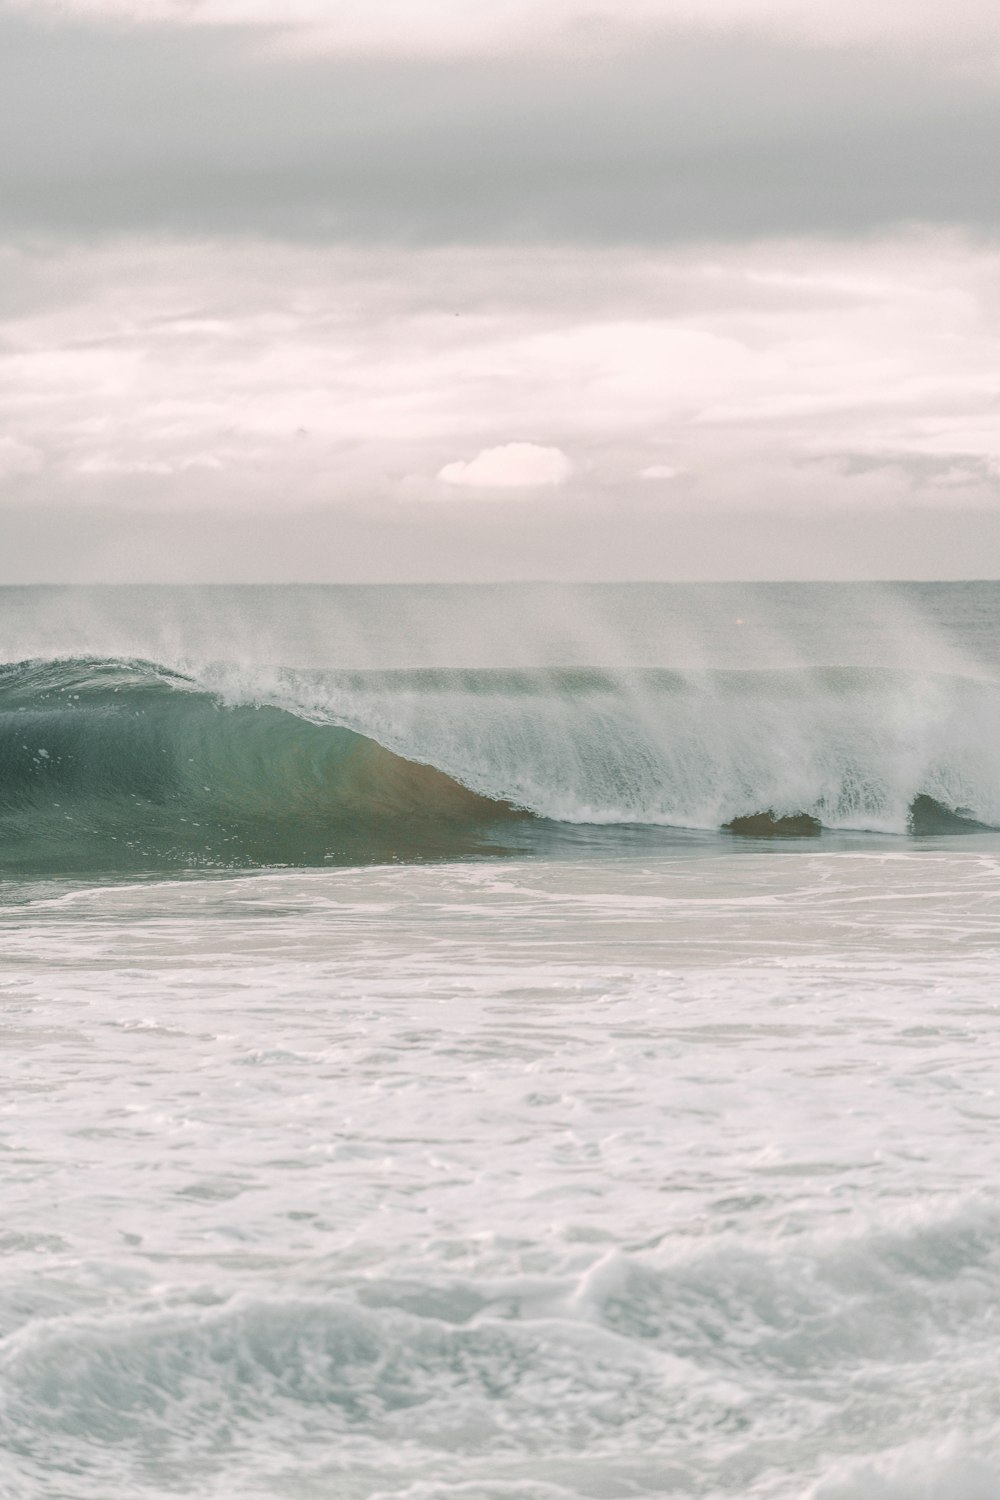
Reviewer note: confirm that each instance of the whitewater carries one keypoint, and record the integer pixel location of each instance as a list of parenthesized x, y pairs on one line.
[(527, 1041)]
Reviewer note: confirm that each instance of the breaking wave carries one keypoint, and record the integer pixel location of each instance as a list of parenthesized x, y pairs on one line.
[(108, 763)]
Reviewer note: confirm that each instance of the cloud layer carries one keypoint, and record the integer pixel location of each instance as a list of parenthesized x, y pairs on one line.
[(677, 137), (796, 375), (965, 27), (520, 290)]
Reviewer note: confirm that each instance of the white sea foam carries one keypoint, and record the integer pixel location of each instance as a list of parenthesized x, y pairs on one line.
[(945, 1470), (667, 1176)]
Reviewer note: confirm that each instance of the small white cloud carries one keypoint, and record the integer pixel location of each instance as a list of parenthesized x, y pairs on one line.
[(661, 471), (511, 466), (18, 458)]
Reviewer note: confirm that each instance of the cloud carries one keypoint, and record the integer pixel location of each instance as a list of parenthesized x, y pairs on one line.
[(687, 137), (660, 471), (103, 464), (512, 466), (18, 458), (448, 26)]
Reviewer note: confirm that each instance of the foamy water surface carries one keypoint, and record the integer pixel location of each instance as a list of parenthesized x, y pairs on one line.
[(654, 1177)]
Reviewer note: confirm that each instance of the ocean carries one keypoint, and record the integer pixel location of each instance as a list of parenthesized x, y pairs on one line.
[(521, 1041)]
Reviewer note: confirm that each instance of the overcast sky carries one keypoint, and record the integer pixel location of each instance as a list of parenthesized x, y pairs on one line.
[(663, 288)]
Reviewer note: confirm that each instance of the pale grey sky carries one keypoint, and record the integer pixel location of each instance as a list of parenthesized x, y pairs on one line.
[(664, 290), (658, 138)]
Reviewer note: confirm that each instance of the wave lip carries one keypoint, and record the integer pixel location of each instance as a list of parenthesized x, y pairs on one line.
[(119, 764)]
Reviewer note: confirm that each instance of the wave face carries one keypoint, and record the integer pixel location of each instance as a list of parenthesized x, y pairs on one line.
[(108, 763)]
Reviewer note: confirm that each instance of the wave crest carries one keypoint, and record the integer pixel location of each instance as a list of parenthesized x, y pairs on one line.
[(116, 763)]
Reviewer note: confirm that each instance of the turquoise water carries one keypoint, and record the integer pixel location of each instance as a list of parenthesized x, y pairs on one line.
[(414, 1087)]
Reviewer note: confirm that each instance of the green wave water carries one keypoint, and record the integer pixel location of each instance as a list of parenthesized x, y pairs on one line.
[(124, 765)]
